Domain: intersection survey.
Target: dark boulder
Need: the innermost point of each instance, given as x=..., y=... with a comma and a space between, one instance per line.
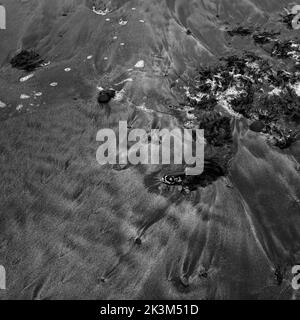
x=27, y=60
x=105, y=96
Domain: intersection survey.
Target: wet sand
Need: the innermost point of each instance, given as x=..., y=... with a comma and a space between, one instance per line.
x=69, y=226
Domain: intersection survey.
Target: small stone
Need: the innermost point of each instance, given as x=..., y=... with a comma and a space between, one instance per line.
x=138, y=241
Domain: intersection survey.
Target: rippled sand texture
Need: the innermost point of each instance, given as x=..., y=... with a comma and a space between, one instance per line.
x=68, y=226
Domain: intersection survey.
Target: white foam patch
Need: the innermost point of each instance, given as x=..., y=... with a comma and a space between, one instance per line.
x=38, y=94
x=296, y=87
x=67, y=69
x=89, y=57
x=198, y=97
x=119, y=95
x=24, y=96
x=2, y=105
x=275, y=92
x=140, y=64
x=23, y=79
x=53, y=84
x=226, y=97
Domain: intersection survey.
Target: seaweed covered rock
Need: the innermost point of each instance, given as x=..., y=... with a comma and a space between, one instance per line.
x=251, y=87
x=240, y=31
x=217, y=128
x=288, y=49
x=27, y=60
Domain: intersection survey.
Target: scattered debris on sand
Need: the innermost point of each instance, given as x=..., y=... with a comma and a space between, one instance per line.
x=27, y=60
x=19, y=107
